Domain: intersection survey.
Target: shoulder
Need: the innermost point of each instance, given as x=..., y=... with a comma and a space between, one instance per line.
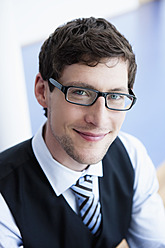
x=135, y=148
x=130, y=141
x=15, y=152
x=14, y=156
x=145, y=171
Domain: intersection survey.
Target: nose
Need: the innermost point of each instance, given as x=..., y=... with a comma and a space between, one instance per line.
x=97, y=114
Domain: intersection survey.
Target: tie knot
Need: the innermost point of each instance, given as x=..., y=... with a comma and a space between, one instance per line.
x=83, y=187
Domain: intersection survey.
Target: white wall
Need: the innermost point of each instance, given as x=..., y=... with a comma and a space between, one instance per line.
x=14, y=114
x=36, y=19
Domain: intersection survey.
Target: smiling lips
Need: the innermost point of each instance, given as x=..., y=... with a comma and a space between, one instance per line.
x=91, y=136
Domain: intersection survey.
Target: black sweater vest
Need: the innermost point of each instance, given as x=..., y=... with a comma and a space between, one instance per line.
x=47, y=221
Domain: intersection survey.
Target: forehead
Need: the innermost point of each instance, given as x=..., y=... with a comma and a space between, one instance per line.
x=106, y=75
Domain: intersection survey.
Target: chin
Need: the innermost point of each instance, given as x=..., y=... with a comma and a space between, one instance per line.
x=89, y=157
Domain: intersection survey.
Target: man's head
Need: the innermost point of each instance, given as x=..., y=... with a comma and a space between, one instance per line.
x=86, y=53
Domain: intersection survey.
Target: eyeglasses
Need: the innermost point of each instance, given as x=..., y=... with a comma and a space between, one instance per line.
x=87, y=97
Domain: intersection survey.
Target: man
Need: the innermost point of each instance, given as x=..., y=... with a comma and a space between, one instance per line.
x=79, y=182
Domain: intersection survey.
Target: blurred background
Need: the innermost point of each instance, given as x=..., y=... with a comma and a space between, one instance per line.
x=25, y=24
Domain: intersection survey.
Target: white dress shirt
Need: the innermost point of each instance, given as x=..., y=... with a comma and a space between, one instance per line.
x=147, y=229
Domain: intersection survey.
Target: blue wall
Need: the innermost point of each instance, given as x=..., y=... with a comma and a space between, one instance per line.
x=145, y=29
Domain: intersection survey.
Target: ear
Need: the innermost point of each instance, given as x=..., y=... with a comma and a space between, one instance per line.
x=41, y=90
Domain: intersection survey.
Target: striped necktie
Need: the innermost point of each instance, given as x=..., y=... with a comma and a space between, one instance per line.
x=89, y=207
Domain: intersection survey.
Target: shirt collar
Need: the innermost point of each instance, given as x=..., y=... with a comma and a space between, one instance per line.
x=60, y=177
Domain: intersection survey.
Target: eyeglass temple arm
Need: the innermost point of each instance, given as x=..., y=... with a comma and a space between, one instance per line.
x=55, y=83
x=131, y=92
x=134, y=97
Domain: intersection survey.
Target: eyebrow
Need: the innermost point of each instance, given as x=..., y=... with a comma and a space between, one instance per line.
x=88, y=86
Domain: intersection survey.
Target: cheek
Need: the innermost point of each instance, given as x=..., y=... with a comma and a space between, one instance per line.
x=118, y=119
x=64, y=114
x=57, y=105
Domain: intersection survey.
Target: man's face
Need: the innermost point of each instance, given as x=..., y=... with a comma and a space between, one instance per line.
x=81, y=135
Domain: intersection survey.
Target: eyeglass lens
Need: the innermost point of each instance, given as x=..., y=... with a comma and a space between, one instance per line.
x=87, y=97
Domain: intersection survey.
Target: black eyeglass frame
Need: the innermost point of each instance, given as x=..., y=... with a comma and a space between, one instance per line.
x=64, y=89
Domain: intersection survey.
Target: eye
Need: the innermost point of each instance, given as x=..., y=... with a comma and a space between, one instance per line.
x=114, y=97
x=81, y=95
x=79, y=92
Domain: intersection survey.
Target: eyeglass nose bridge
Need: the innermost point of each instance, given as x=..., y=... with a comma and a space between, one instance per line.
x=101, y=94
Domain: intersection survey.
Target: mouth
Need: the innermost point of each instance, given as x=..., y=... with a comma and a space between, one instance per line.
x=88, y=136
